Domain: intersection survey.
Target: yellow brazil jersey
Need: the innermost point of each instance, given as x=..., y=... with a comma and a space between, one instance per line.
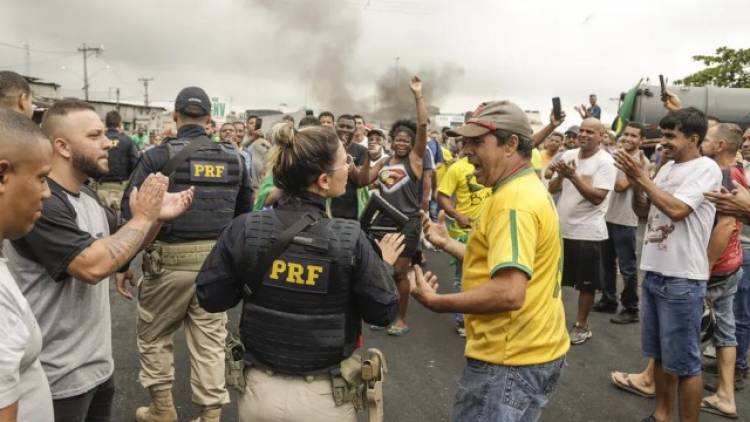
x=460, y=181
x=536, y=159
x=443, y=167
x=518, y=227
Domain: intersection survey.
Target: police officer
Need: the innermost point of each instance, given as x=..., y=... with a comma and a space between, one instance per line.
x=170, y=265
x=306, y=282
x=123, y=158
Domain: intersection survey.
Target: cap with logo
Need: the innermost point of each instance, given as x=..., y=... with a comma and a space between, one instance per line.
x=494, y=115
x=190, y=97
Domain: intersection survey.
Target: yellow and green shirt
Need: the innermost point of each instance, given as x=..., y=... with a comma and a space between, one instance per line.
x=518, y=227
x=460, y=181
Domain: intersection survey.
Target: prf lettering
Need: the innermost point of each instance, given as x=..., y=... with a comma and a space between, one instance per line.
x=209, y=170
x=295, y=273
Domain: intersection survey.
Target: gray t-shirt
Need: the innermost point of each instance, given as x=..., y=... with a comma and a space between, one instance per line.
x=74, y=316
x=620, y=209
x=259, y=152
x=22, y=378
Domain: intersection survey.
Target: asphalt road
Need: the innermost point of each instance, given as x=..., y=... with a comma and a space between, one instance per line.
x=425, y=364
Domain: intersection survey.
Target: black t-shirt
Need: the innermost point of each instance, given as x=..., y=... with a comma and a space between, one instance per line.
x=57, y=237
x=345, y=206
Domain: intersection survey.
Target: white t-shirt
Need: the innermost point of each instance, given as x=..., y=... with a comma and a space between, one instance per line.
x=678, y=248
x=579, y=218
x=621, y=205
x=22, y=378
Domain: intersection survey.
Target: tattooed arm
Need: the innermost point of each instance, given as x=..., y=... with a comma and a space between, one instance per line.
x=105, y=256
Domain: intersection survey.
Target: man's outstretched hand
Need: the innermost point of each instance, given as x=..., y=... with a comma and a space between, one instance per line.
x=175, y=204
x=435, y=232
x=423, y=286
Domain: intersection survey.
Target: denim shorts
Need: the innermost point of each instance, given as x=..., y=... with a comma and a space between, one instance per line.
x=671, y=310
x=497, y=393
x=721, y=297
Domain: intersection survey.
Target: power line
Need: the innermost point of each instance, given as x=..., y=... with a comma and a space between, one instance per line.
x=33, y=50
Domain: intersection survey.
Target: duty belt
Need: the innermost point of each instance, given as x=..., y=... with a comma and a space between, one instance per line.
x=186, y=256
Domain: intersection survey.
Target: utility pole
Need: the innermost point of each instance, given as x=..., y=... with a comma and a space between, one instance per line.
x=85, y=50
x=117, y=102
x=28, y=59
x=145, y=89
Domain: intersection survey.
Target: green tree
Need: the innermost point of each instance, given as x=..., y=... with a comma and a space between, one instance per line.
x=726, y=69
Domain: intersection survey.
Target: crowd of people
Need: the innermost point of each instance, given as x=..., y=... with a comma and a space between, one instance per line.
x=269, y=217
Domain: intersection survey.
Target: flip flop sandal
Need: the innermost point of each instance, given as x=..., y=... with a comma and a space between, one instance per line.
x=708, y=407
x=397, y=331
x=630, y=387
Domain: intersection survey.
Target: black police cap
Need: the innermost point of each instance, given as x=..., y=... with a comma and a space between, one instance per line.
x=193, y=96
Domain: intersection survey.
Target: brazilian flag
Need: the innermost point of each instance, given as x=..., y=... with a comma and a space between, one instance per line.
x=625, y=112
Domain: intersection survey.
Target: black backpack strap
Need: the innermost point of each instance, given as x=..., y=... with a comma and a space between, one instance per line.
x=183, y=154
x=279, y=246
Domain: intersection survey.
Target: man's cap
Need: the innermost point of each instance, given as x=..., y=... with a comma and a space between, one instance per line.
x=493, y=115
x=573, y=129
x=195, y=96
x=376, y=131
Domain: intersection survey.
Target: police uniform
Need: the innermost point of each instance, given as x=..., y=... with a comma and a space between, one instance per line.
x=300, y=318
x=123, y=158
x=166, y=297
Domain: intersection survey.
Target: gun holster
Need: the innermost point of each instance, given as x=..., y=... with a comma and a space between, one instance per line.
x=373, y=375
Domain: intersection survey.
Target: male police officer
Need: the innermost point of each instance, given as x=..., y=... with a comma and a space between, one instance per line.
x=167, y=293
x=122, y=160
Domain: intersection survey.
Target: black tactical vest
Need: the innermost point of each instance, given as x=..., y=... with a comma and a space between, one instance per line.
x=118, y=158
x=216, y=173
x=300, y=317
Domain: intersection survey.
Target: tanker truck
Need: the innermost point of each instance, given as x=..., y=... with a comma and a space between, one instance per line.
x=643, y=104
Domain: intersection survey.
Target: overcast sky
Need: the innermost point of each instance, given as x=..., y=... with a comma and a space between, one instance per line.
x=261, y=53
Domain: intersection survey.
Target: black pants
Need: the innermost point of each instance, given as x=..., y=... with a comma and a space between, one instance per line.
x=92, y=406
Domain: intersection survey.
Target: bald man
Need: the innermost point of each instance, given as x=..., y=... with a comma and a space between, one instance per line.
x=64, y=264
x=585, y=176
x=25, y=157
x=15, y=93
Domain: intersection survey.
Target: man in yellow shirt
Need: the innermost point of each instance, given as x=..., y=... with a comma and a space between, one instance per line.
x=515, y=322
x=459, y=181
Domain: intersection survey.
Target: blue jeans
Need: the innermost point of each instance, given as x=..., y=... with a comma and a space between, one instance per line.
x=721, y=298
x=742, y=312
x=496, y=393
x=458, y=318
x=620, y=249
x=671, y=310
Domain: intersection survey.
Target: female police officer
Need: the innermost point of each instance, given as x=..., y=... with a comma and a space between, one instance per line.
x=306, y=282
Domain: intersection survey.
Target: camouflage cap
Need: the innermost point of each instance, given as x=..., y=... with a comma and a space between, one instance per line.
x=493, y=115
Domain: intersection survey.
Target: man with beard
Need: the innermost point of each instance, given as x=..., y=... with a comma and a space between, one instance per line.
x=64, y=265
x=227, y=133
x=346, y=206
x=585, y=176
x=167, y=296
